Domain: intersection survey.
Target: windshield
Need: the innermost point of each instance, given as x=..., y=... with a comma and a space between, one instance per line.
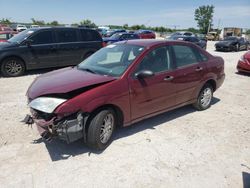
x=21, y=36
x=112, y=60
x=115, y=36
x=230, y=38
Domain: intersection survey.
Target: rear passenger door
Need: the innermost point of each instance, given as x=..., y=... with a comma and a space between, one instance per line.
x=43, y=49
x=68, y=46
x=189, y=72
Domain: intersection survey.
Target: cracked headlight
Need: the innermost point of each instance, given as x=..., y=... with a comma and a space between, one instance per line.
x=46, y=104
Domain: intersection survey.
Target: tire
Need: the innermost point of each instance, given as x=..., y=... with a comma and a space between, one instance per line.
x=96, y=137
x=12, y=67
x=205, y=97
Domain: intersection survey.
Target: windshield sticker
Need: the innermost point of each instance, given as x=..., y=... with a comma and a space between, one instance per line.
x=111, y=46
x=30, y=32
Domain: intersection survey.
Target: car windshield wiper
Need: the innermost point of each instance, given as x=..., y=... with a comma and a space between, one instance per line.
x=88, y=70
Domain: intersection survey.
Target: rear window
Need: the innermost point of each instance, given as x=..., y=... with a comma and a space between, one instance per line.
x=67, y=35
x=90, y=35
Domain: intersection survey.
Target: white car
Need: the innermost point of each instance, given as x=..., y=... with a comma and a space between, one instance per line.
x=20, y=28
x=34, y=26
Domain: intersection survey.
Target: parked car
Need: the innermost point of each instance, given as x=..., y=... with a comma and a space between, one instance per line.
x=5, y=28
x=34, y=26
x=6, y=35
x=120, y=37
x=232, y=44
x=244, y=63
x=119, y=85
x=201, y=37
x=195, y=40
x=20, y=28
x=213, y=36
x=146, y=34
x=181, y=33
x=112, y=32
x=47, y=47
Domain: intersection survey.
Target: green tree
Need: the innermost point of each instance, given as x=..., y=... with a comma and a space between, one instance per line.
x=248, y=32
x=37, y=22
x=125, y=26
x=88, y=23
x=5, y=21
x=204, y=17
x=54, y=23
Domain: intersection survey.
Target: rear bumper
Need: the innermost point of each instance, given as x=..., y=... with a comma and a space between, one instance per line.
x=220, y=80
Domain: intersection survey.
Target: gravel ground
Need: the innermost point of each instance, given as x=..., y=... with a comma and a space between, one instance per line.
x=181, y=148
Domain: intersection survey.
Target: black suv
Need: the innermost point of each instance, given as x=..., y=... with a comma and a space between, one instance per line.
x=47, y=47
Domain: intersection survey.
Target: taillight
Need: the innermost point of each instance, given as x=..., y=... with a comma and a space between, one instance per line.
x=104, y=44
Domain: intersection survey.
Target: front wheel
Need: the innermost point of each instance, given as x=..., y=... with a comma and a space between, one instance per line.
x=101, y=128
x=12, y=67
x=204, y=99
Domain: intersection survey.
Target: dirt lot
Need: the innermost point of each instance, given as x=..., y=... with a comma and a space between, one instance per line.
x=181, y=148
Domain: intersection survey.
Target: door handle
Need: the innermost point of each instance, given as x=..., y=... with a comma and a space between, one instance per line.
x=198, y=69
x=168, y=78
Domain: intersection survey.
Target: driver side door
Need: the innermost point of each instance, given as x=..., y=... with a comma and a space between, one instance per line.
x=157, y=93
x=43, y=49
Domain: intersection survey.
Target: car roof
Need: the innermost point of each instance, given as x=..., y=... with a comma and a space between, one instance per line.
x=150, y=42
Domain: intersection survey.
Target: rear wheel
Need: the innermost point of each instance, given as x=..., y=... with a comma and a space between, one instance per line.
x=101, y=128
x=12, y=67
x=204, y=99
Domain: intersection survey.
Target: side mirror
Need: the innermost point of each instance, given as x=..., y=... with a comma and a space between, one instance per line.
x=144, y=74
x=28, y=42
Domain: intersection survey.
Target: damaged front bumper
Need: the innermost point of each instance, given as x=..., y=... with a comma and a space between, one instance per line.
x=69, y=129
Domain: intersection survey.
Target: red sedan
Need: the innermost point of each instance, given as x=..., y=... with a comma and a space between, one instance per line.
x=244, y=63
x=119, y=85
x=146, y=34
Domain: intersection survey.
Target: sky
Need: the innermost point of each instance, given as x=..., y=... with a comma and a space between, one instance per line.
x=167, y=13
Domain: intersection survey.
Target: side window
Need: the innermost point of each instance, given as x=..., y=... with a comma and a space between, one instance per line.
x=43, y=37
x=88, y=35
x=125, y=37
x=184, y=55
x=157, y=60
x=67, y=35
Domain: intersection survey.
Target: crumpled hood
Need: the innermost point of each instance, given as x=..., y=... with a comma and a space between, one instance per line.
x=63, y=81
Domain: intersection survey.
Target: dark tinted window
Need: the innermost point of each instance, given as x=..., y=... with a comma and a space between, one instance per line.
x=67, y=35
x=157, y=60
x=43, y=37
x=185, y=55
x=90, y=35
x=187, y=34
x=193, y=39
x=133, y=36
